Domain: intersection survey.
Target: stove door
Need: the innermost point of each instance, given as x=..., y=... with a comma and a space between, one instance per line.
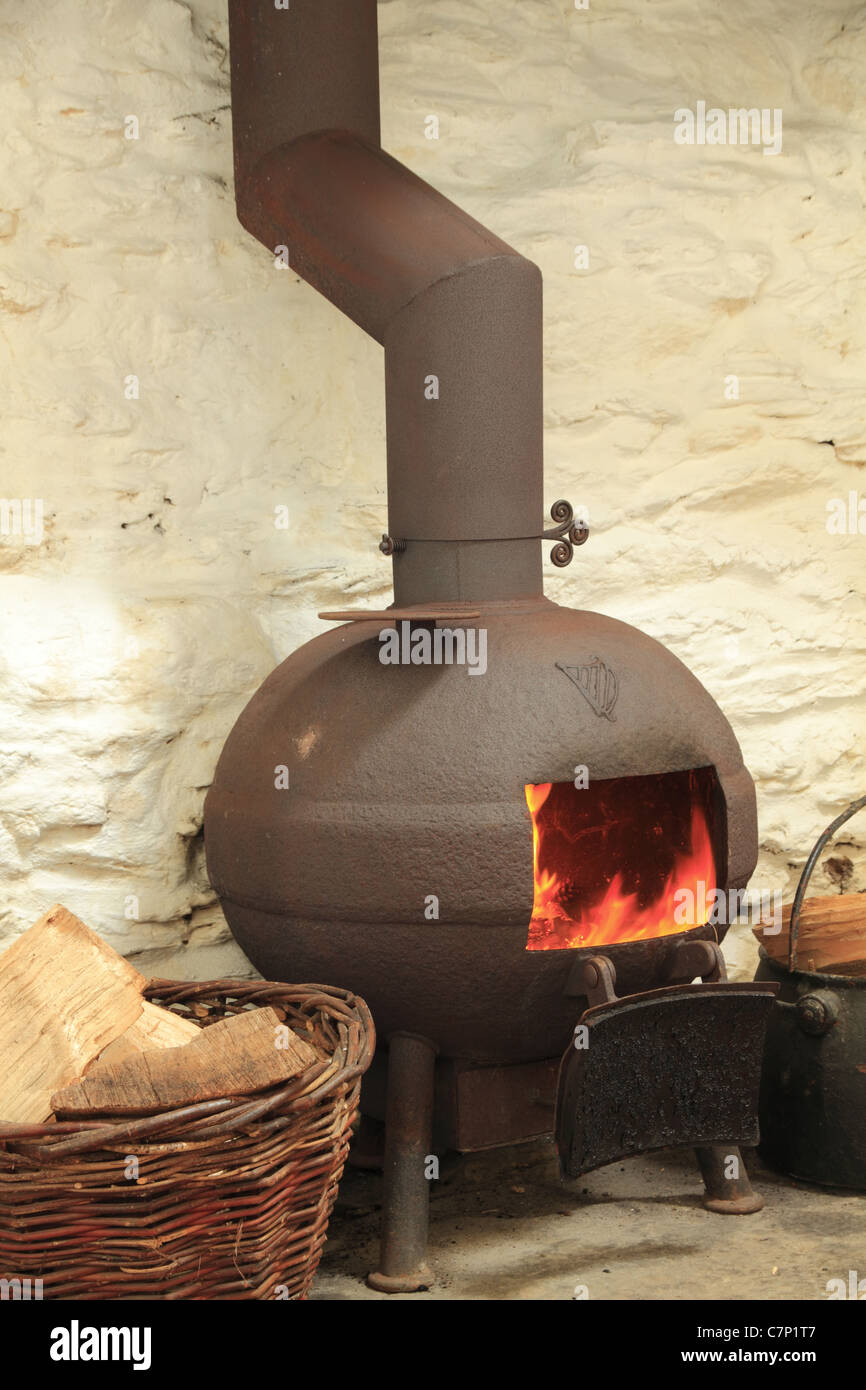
x=679, y=1065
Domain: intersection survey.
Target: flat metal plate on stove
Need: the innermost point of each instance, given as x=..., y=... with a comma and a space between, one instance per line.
x=671, y=1066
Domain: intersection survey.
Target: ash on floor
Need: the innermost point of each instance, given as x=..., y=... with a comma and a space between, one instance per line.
x=503, y=1226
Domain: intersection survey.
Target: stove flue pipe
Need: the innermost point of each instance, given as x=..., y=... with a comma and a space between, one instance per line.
x=457, y=310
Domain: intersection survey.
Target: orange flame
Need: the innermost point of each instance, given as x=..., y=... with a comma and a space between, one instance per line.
x=616, y=915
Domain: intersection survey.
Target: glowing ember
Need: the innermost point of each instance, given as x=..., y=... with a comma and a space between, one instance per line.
x=561, y=915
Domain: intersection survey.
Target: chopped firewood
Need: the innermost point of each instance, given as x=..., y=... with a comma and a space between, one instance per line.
x=154, y=1028
x=64, y=996
x=247, y=1052
x=831, y=935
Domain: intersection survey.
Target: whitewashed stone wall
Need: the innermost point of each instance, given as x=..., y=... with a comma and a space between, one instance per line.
x=162, y=592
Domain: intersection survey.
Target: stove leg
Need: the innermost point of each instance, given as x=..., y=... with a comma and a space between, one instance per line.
x=408, y=1137
x=727, y=1195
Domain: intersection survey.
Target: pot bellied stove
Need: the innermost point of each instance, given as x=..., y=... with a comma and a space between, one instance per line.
x=503, y=818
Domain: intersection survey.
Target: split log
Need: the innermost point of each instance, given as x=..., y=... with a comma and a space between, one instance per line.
x=64, y=996
x=153, y=1029
x=242, y=1054
x=831, y=936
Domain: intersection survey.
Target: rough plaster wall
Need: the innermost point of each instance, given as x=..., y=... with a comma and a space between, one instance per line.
x=162, y=592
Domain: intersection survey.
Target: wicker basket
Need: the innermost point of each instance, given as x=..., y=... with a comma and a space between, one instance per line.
x=226, y=1199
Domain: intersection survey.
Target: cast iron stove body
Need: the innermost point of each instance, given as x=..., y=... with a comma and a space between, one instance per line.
x=488, y=856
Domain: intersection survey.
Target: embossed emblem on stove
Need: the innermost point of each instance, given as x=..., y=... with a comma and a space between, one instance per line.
x=598, y=685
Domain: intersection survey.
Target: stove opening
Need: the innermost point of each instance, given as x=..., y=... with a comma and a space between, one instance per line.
x=623, y=859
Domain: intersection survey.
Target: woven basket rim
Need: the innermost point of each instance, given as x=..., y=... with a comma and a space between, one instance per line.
x=49, y=1142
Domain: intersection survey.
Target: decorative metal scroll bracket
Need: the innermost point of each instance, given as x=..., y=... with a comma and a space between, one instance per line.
x=567, y=533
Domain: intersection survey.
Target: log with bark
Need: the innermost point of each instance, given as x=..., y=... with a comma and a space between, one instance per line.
x=237, y=1056
x=64, y=996
x=77, y=1036
x=831, y=936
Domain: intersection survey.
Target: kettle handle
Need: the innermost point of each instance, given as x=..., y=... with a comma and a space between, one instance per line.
x=807, y=874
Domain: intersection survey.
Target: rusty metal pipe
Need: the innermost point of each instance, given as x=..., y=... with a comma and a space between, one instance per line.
x=408, y=1137
x=457, y=310
x=311, y=66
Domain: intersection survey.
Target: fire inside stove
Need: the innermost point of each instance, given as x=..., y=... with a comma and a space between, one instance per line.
x=622, y=859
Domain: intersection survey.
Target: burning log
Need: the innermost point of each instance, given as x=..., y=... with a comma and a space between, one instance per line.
x=572, y=908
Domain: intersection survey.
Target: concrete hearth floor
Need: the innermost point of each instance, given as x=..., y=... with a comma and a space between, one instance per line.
x=503, y=1226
